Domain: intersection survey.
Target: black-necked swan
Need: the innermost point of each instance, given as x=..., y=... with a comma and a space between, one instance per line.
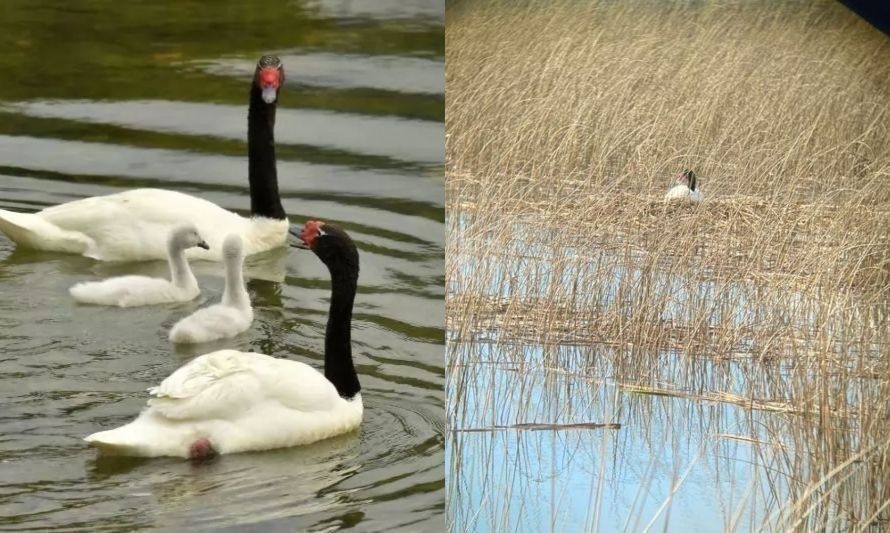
x=132, y=291
x=228, y=318
x=685, y=188
x=133, y=225
x=230, y=401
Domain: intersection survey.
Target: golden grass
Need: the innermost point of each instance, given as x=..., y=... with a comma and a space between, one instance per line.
x=564, y=125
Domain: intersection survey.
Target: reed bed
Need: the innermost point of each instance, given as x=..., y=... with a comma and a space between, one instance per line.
x=565, y=123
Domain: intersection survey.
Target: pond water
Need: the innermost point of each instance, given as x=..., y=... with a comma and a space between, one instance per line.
x=573, y=450
x=560, y=422
x=102, y=97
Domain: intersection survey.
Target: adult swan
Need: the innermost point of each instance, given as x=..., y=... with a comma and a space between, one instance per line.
x=229, y=401
x=134, y=225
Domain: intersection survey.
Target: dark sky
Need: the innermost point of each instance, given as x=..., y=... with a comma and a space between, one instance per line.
x=877, y=12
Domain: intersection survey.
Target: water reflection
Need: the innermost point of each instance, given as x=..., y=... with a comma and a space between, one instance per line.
x=673, y=461
x=398, y=138
x=289, y=483
x=431, y=10
x=385, y=73
x=710, y=408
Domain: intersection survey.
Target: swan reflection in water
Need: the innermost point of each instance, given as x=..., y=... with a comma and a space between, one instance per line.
x=203, y=492
x=267, y=266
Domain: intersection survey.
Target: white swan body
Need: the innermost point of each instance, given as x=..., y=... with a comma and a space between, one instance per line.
x=237, y=401
x=682, y=192
x=229, y=401
x=228, y=318
x=132, y=291
x=210, y=324
x=133, y=226
x=685, y=189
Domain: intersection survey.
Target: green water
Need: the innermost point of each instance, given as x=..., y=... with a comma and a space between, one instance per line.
x=98, y=97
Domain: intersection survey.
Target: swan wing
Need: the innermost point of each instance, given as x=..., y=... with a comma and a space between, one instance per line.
x=682, y=192
x=677, y=192
x=227, y=383
x=32, y=231
x=211, y=323
x=154, y=206
x=126, y=291
x=135, y=224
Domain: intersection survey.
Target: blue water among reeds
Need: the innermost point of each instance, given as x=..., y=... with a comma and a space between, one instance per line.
x=691, y=453
x=675, y=461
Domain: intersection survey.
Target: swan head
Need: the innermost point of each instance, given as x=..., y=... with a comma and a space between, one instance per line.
x=687, y=178
x=232, y=247
x=269, y=77
x=332, y=245
x=187, y=236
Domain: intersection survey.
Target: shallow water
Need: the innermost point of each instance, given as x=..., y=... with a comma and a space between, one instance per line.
x=655, y=462
x=555, y=426
x=155, y=94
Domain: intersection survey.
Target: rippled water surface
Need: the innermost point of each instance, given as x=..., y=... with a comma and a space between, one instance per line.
x=102, y=97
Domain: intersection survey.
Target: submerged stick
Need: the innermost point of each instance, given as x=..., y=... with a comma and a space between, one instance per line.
x=537, y=426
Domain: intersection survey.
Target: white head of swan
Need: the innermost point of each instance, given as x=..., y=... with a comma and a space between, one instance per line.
x=228, y=318
x=685, y=188
x=131, y=291
x=229, y=401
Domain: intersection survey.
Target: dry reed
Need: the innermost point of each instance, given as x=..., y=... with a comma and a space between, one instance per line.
x=564, y=124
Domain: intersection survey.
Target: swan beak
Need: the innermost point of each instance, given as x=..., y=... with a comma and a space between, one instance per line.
x=203, y=244
x=270, y=94
x=300, y=244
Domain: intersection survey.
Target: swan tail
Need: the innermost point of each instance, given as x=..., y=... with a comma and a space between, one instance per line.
x=109, y=446
x=119, y=441
x=32, y=231
x=181, y=335
x=81, y=293
x=188, y=331
x=90, y=292
x=139, y=438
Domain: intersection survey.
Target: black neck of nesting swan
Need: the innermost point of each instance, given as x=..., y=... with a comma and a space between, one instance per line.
x=264, y=198
x=338, y=366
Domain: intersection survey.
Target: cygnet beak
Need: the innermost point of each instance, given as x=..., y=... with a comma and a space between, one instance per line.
x=203, y=244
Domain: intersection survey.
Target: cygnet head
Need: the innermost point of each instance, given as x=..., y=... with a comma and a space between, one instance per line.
x=232, y=249
x=186, y=236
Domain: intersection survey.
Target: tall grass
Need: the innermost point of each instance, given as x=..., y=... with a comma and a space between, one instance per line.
x=564, y=125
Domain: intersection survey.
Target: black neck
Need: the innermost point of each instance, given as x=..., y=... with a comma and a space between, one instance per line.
x=264, y=198
x=338, y=366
